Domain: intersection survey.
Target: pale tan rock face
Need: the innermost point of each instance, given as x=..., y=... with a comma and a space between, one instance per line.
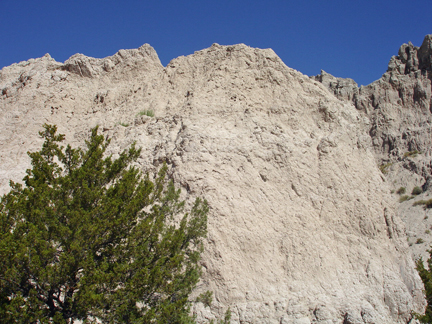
x=399, y=107
x=302, y=227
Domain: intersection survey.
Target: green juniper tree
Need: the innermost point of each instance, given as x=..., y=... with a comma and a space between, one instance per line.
x=88, y=237
x=426, y=276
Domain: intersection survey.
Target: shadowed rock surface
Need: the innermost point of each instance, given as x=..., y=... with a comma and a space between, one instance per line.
x=303, y=227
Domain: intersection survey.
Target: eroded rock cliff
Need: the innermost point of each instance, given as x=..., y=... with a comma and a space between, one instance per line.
x=302, y=229
x=399, y=107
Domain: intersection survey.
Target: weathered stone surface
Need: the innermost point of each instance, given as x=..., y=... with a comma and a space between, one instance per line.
x=302, y=228
x=142, y=59
x=399, y=107
x=346, y=89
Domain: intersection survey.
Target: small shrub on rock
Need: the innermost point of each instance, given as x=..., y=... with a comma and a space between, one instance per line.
x=426, y=203
x=416, y=191
x=383, y=167
x=411, y=154
x=401, y=191
x=404, y=198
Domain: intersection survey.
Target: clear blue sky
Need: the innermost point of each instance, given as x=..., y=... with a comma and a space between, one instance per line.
x=346, y=38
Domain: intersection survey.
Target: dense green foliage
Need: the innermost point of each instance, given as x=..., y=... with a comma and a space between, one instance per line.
x=89, y=237
x=426, y=276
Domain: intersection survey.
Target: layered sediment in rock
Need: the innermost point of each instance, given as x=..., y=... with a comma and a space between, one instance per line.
x=302, y=227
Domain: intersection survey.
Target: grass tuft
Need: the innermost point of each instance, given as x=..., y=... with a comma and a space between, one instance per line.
x=425, y=203
x=411, y=154
x=146, y=112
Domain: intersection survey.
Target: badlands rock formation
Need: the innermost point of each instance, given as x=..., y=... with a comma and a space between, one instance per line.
x=303, y=227
x=399, y=107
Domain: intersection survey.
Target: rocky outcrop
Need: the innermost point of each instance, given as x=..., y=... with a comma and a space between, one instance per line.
x=399, y=104
x=399, y=107
x=302, y=229
x=346, y=89
x=141, y=59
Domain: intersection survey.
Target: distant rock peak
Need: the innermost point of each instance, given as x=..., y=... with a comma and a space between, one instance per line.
x=411, y=58
x=86, y=66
